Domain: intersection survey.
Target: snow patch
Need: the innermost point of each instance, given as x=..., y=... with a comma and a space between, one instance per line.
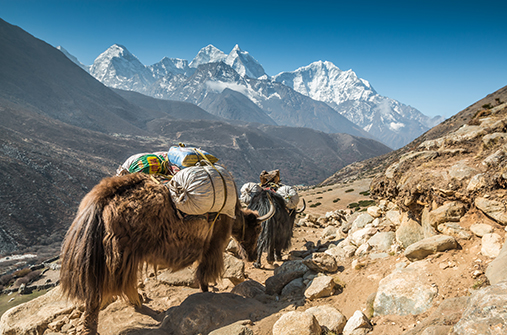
x=218, y=87
x=396, y=126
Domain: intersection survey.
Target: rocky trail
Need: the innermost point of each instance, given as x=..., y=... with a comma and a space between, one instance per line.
x=419, y=249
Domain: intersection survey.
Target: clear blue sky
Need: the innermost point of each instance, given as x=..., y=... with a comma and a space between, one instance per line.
x=437, y=56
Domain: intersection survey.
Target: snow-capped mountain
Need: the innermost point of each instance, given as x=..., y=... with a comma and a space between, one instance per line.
x=74, y=59
x=314, y=96
x=387, y=119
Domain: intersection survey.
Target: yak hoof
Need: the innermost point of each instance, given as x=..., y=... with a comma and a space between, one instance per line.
x=257, y=265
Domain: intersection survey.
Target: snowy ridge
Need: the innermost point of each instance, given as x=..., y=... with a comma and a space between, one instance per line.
x=212, y=72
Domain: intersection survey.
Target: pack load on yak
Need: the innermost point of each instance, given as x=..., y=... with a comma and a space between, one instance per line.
x=197, y=186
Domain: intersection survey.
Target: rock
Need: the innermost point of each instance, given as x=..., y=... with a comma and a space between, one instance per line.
x=341, y=253
x=205, y=312
x=477, y=182
x=357, y=324
x=33, y=317
x=233, y=248
x=454, y=229
x=295, y=287
x=234, y=269
x=409, y=231
x=497, y=269
x=491, y=140
x=185, y=277
x=481, y=229
x=362, y=250
x=493, y=209
x=426, y=224
x=249, y=289
x=495, y=158
x=486, y=312
x=297, y=323
x=405, y=291
x=321, y=286
x=292, y=266
x=379, y=255
x=237, y=328
x=328, y=317
x=321, y=262
x=276, y=283
x=461, y=171
x=491, y=245
x=394, y=217
x=432, y=144
x=430, y=245
x=374, y=211
x=362, y=235
x=447, y=314
x=329, y=233
x=449, y=212
x=382, y=241
x=361, y=221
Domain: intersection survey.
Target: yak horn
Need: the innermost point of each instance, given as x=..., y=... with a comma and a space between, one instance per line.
x=302, y=209
x=269, y=214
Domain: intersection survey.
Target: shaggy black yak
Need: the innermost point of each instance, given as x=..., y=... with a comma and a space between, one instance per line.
x=127, y=221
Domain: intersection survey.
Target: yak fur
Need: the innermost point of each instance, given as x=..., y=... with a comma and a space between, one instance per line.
x=127, y=221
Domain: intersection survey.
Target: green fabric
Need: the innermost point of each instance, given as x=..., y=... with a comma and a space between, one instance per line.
x=149, y=164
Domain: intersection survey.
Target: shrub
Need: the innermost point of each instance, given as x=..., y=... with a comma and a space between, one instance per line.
x=336, y=200
x=366, y=203
x=319, y=197
x=22, y=273
x=365, y=193
x=315, y=204
x=353, y=205
x=349, y=190
x=6, y=279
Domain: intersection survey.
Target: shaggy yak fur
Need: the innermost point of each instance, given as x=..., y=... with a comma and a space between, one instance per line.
x=127, y=221
x=276, y=232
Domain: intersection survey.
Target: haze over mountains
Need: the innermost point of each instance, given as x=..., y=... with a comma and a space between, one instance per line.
x=340, y=93
x=62, y=131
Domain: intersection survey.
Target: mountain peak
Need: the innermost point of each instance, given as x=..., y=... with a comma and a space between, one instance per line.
x=208, y=54
x=244, y=63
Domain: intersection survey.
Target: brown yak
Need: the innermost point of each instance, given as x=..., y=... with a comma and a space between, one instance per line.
x=127, y=221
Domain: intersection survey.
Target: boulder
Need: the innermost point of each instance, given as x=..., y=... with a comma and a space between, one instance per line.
x=297, y=323
x=454, y=229
x=237, y=328
x=362, y=250
x=362, y=235
x=357, y=324
x=321, y=262
x=329, y=317
x=329, y=233
x=430, y=245
x=409, y=231
x=493, y=209
x=295, y=287
x=461, y=171
x=449, y=212
x=477, y=182
x=321, y=286
x=382, y=241
x=185, y=277
x=497, y=269
x=276, y=283
x=486, y=312
x=481, y=229
x=491, y=245
x=249, y=289
x=292, y=266
x=234, y=269
x=405, y=291
x=394, y=216
x=374, y=211
x=361, y=221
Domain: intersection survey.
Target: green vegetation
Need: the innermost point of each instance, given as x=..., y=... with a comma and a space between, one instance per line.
x=319, y=197
x=365, y=193
x=18, y=299
x=349, y=190
x=487, y=106
x=336, y=200
x=366, y=203
x=315, y=204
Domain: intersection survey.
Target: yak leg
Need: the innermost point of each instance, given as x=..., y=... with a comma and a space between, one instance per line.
x=211, y=266
x=91, y=318
x=278, y=255
x=257, y=263
x=271, y=254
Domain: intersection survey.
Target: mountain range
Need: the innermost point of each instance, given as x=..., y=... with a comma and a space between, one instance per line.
x=313, y=96
x=62, y=130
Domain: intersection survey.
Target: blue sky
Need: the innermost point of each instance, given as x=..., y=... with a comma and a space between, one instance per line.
x=437, y=56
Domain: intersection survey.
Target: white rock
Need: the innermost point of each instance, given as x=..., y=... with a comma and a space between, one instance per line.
x=297, y=323
x=481, y=229
x=491, y=245
x=356, y=322
x=374, y=211
x=321, y=286
x=329, y=317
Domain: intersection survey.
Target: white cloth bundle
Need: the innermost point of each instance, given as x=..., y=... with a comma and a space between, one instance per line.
x=197, y=190
x=247, y=190
x=290, y=195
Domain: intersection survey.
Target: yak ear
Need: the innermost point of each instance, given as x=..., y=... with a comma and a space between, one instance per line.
x=302, y=209
x=269, y=214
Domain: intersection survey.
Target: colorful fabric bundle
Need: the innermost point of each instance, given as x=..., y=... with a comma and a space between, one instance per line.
x=183, y=156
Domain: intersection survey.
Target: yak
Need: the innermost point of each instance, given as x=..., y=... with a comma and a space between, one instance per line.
x=127, y=221
x=276, y=232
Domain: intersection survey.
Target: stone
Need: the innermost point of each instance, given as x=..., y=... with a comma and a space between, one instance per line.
x=329, y=317
x=237, y=328
x=297, y=323
x=497, y=269
x=374, y=211
x=394, y=216
x=382, y=241
x=321, y=286
x=428, y=229
x=405, y=291
x=249, y=289
x=481, y=229
x=321, y=262
x=362, y=250
x=493, y=209
x=454, y=229
x=449, y=212
x=486, y=312
x=329, y=233
x=362, y=235
x=276, y=283
x=477, y=182
x=361, y=221
x=430, y=245
x=491, y=245
x=295, y=287
x=292, y=266
x=358, y=321
x=184, y=277
x=495, y=158
x=234, y=269
x=461, y=171
x=491, y=140
x=409, y=231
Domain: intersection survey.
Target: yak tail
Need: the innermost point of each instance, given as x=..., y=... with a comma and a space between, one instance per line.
x=83, y=267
